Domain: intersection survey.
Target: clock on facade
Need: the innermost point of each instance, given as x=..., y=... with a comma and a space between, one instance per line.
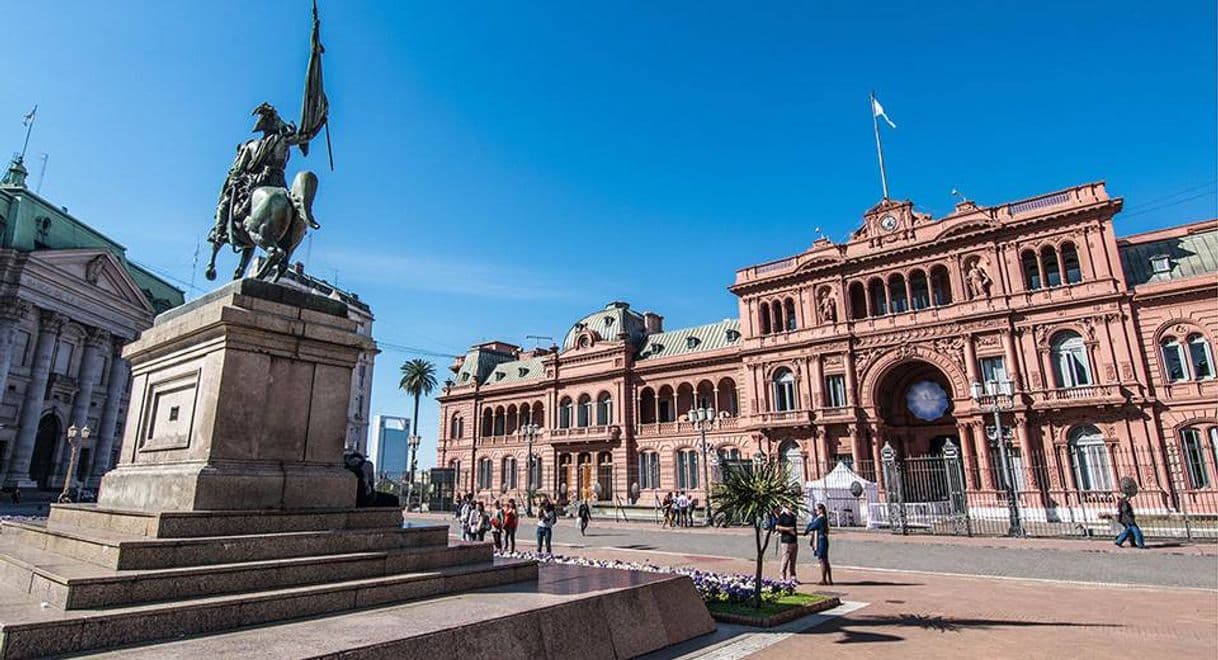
x=926, y=400
x=888, y=222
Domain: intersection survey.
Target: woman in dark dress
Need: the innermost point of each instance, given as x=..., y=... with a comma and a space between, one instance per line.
x=820, y=545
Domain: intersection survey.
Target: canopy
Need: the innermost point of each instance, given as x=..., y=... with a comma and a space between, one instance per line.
x=834, y=491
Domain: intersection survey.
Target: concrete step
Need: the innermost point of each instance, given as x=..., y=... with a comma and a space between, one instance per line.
x=28, y=630
x=125, y=552
x=71, y=584
x=185, y=524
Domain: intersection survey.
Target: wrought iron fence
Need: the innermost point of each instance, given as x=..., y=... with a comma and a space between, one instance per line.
x=1070, y=491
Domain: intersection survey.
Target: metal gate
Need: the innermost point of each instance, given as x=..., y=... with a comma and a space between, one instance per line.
x=926, y=493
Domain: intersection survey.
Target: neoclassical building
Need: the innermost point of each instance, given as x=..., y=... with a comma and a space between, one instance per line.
x=69, y=300
x=848, y=347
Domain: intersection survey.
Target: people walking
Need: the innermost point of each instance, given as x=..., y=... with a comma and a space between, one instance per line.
x=789, y=538
x=511, y=519
x=463, y=517
x=584, y=514
x=820, y=546
x=497, y=526
x=1130, y=530
x=479, y=523
x=682, y=507
x=546, y=518
x=668, y=504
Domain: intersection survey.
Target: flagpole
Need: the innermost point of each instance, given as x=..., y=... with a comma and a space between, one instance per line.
x=29, y=127
x=879, y=149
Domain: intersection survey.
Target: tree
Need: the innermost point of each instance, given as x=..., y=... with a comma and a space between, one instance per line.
x=750, y=493
x=418, y=380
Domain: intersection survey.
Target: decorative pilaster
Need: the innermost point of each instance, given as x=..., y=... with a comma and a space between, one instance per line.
x=86, y=380
x=50, y=324
x=13, y=311
x=120, y=375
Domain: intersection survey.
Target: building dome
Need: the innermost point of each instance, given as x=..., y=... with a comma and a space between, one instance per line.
x=605, y=325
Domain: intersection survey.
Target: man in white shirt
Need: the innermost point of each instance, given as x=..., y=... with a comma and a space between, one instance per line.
x=682, y=509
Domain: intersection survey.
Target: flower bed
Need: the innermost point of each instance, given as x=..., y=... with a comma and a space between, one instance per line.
x=713, y=587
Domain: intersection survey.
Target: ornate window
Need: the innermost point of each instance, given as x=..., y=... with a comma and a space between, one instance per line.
x=1074, y=271
x=835, y=390
x=1201, y=357
x=488, y=422
x=879, y=297
x=507, y=474
x=1070, y=363
x=649, y=470
x=793, y=461
x=484, y=473
x=583, y=414
x=604, y=409
x=897, y=294
x=500, y=420
x=1089, y=456
x=604, y=475
x=789, y=306
x=784, y=390
x=565, y=411
x=456, y=428
x=919, y=290
x=940, y=286
x=1193, y=453
x=858, y=301
x=764, y=317
x=687, y=469
x=1048, y=265
x=1031, y=270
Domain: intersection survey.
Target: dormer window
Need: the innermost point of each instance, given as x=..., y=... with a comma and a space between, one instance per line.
x=499, y=375
x=733, y=335
x=656, y=347
x=1160, y=263
x=522, y=371
x=464, y=377
x=692, y=342
x=608, y=321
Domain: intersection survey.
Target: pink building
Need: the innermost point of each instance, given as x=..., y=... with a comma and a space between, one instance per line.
x=847, y=347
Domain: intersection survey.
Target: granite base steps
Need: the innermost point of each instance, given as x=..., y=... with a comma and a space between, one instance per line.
x=568, y=612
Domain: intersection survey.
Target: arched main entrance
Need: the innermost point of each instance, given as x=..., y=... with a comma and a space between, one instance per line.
x=915, y=402
x=42, y=463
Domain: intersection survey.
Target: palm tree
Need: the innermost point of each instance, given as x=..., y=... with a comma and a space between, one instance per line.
x=418, y=379
x=750, y=493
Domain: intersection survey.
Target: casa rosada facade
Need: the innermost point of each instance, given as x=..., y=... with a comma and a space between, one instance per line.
x=848, y=347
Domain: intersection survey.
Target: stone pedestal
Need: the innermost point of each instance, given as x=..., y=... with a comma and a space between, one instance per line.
x=239, y=402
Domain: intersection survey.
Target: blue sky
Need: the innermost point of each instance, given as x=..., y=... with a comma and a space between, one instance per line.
x=505, y=168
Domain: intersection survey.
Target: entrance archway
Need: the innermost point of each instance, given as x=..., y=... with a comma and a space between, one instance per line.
x=916, y=404
x=42, y=462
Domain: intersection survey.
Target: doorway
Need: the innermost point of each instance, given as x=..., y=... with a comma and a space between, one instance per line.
x=42, y=462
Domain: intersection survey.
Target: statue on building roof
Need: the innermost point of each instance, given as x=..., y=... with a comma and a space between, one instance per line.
x=256, y=208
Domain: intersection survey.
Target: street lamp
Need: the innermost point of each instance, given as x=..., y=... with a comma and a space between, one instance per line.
x=413, y=442
x=74, y=442
x=996, y=396
x=530, y=433
x=702, y=419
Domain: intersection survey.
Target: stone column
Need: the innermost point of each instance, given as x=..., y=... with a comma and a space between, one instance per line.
x=1025, y=449
x=120, y=373
x=970, y=360
x=13, y=310
x=852, y=393
x=985, y=464
x=49, y=325
x=966, y=454
x=1012, y=361
x=86, y=380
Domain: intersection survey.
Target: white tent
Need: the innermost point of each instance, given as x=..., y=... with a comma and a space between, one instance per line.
x=834, y=491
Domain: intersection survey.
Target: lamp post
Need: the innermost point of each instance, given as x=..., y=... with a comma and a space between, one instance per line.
x=530, y=433
x=996, y=396
x=702, y=419
x=413, y=443
x=75, y=440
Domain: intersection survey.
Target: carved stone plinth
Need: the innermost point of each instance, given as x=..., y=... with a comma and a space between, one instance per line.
x=239, y=401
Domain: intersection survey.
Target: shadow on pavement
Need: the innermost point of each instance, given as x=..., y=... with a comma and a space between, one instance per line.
x=859, y=630
x=876, y=583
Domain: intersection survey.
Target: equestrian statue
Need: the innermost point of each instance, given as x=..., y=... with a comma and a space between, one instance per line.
x=257, y=209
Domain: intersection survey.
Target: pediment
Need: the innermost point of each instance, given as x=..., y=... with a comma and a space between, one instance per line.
x=966, y=226
x=97, y=269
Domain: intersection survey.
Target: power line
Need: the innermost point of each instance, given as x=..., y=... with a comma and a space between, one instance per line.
x=1144, y=210
x=1164, y=198
x=412, y=350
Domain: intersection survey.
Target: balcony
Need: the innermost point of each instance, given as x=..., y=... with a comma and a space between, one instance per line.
x=599, y=433
x=652, y=429
x=842, y=412
x=1089, y=395
x=783, y=418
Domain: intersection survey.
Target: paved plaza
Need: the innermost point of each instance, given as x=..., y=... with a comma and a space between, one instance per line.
x=924, y=596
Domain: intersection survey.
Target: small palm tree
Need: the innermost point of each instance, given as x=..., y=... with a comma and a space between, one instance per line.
x=418, y=380
x=751, y=494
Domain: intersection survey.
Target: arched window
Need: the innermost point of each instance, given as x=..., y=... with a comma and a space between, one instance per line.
x=1031, y=270
x=565, y=412
x=728, y=399
x=604, y=409
x=687, y=469
x=526, y=414
x=792, y=460
x=940, y=286
x=1173, y=359
x=879, y=301
x=507, y=474
x=1070, y=363
x=919, y=290
x=667, y=404
x=784, y=390
x=858, y=301
x=500, y=420
x=649, y=470
x=1089, y=456
x=764, y=317
x=1048, y=263
x=604, y=475
x=513, y=420
x=535, y=474
x=485, y=470
x=539, y=414
x=1193, y=453
x=583, y=414
x=647, y=406
x=1074, y=271
x=788, y=306
x=1201, y=357
x=729, y=453
x=897, y=294
x=776, y=321
x=488, y=422
x=454, y=428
